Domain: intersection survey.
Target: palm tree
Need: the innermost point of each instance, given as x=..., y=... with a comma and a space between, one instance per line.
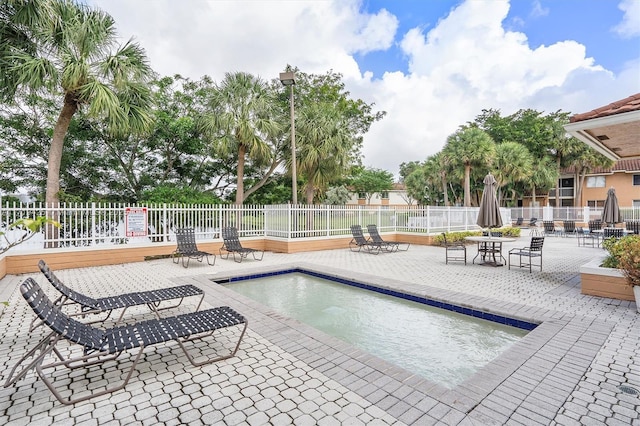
x=242, y=120
x=544, y=176
x=469, y=147
x=70, y=49
x=513, y=163
x=324, y=149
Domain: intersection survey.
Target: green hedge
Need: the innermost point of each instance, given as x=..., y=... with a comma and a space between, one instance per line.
x=507, y=231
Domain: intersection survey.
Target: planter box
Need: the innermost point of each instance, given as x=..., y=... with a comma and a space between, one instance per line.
x=604, y=282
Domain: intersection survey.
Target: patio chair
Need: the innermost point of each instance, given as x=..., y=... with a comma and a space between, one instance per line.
x=549, y=227
x=99, y=346
x=231, y=245
x=359, y=242
x=595, y=225
x=89, y=305
x=518, y=222
x=633, y=227
x=387, y=245
x=532, y=222
x=616, y=233
x=455, y=250
x=529, y=253
x=586, y=238
x=188, y=249
x=569, y=227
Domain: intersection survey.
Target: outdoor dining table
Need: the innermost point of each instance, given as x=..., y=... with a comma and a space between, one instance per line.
x=496, y=248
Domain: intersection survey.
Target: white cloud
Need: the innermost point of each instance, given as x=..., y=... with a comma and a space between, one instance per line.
x=538, y=10
x=466, y=62
x=630, y=25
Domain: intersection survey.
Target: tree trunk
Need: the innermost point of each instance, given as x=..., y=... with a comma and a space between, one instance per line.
x=533, y=193
x=309, y=193
x=52, y=196
x=467, y=185
x=240, y=175
x=55, y=151
x=445, y=193
x=558, y=159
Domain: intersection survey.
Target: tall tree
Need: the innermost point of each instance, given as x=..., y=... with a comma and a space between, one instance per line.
x=242, y=120
x=324, y=149
x=70, y=49
x=327, y=114
x=513, y=163
x=371, y=181
x=469, y=147
x=544, y=176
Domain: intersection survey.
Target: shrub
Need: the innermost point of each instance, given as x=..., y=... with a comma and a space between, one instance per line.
x=624, y=254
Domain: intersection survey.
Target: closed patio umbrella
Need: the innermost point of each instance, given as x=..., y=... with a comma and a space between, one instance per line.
x=611, y=212
x=489, y=214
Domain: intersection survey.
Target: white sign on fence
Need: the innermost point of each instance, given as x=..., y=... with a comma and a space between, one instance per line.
x=135, y=221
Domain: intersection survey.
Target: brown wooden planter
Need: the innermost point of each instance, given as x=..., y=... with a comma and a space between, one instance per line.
x=604, y=282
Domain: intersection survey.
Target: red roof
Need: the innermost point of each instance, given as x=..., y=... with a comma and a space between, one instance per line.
x=632, y=103
x=619, y=166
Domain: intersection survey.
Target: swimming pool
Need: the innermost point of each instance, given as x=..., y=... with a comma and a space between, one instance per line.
x=441, y=343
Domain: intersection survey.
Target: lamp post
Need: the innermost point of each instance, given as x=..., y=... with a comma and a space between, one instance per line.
x=289, y=79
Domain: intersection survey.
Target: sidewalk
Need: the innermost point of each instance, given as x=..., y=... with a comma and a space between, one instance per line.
x=567, y=371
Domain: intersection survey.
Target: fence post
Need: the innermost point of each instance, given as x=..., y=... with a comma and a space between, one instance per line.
x=328, y=218
x=93, y=224
x=165, y=224
x=289, y=220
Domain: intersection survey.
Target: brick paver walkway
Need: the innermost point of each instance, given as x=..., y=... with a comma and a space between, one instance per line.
x=568, y=371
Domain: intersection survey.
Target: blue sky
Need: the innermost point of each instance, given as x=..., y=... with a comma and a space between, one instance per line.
x=589, y=22
x=432, y=65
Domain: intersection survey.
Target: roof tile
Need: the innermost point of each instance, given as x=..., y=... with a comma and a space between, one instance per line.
x=620, y=166
x=632, y=103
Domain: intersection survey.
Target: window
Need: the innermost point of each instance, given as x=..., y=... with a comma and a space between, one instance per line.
x=595, y=182
x=566, y=183
x=636, y=180
x=595, y=203
x=385, y=195
x=636, y=204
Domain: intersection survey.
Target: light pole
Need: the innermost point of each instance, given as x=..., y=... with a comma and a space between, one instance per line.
x=289, y=79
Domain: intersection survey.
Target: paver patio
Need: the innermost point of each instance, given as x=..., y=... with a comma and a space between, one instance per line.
x=567, y=371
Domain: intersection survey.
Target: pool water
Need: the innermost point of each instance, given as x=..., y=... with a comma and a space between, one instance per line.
x=443, y=346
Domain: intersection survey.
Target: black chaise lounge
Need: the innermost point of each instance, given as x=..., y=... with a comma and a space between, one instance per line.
x=188, y=249
x=360, y=242
x=231, y=245
x=99, y=346
x=89, y=305
x=386, y=245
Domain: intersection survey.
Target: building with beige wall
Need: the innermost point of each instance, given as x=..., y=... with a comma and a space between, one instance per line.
x=624, y=176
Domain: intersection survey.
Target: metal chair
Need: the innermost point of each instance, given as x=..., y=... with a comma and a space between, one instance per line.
x=529, y=253
x=387, y=245
x=188, y=249
x=455, y=250
x=569, y=227
x=633, y=227
x=231, y=245
x=549, y=227
x=616, y=233
x=89, y=305
x=359, y=242
x=99, y=346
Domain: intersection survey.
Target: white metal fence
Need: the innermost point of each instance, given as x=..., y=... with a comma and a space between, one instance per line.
x=95, y=224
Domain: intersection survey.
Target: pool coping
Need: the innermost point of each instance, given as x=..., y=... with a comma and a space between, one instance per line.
x=535, y=376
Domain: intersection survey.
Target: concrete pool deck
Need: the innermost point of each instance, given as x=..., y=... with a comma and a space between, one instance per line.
x=567, y=371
